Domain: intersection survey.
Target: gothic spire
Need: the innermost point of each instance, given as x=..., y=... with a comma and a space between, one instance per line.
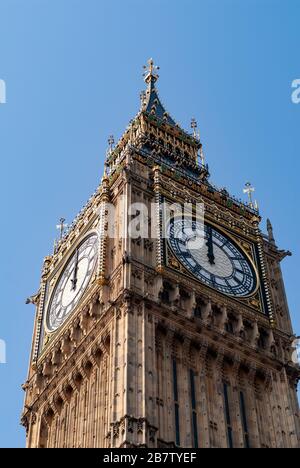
x=152, y=104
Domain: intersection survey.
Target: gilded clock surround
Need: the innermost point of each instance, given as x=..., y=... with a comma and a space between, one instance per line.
x=55, y=282
x=106, y=377
x=173, y=261
x=85, y=230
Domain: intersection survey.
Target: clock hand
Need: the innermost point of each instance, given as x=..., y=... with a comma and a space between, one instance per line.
x=74, y=280
x=210, y=246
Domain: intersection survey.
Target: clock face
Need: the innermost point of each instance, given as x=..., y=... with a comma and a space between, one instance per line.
x=212, y=257
x=73, y=282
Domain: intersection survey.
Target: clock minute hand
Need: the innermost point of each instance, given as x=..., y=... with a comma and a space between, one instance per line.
x=74, y=280
x=210, y=246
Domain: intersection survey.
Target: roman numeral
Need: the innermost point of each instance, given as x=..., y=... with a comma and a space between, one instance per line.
x=185, y=254
x=180, y=241
x=229, y=286
x=243, y=273
x=226, y=242
x=197, y=269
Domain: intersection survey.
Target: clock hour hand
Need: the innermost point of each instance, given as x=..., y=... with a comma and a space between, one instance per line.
x=210, y=246
x=74, y=279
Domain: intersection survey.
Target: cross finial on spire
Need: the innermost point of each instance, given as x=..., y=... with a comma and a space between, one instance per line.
x=150, y=73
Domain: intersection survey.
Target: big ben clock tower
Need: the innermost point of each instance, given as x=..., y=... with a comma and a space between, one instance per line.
x=178, y=335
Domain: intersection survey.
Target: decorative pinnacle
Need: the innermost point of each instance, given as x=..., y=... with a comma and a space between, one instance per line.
x=111, y=142
x=270, y=232
x=61, y=226
x=106, y=170
x=150, y=73
x=143, y=98
x=249, y=190
x=202, y=157
x=194, y=126
x=54, y=246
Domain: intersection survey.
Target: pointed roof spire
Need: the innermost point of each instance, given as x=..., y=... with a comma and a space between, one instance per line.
x=152, y=103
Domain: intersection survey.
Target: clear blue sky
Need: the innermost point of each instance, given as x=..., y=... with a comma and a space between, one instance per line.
x=73, y=74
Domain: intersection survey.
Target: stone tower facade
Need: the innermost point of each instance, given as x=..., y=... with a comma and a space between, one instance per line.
x=144, y=341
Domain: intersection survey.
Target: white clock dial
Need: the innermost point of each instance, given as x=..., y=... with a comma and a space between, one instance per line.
x=212, y=257
x=73, y=282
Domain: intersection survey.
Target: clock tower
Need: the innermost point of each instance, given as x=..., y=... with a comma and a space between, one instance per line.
x=161, y=317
